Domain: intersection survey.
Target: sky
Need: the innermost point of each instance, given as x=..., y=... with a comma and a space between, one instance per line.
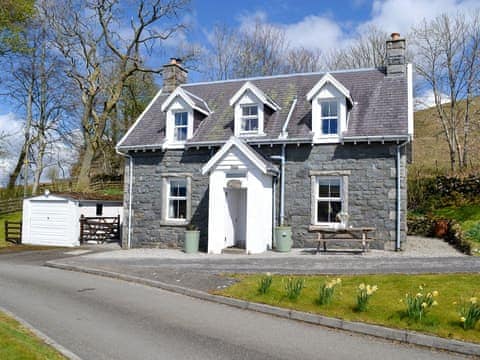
x=321, y=24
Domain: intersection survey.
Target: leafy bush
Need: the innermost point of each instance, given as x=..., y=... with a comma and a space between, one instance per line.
x=363, y=295
x=265, y=283
x=419, y=304
x=327, y=290
x=474, y=232
x=469, y=313
x=294, y=287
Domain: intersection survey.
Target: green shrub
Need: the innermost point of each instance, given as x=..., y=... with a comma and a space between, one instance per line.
x=294, y=287
x=265, y=283
x=418, y=304
x=327, y=290
x=364, y=293
x=469, y=313
x=474, y=232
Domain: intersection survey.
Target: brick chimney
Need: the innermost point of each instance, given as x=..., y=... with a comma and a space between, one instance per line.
x=395, y=61
x=173, y=75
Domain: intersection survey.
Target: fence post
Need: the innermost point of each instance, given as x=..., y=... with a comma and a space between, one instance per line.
x=81, y=228
x=6, y=230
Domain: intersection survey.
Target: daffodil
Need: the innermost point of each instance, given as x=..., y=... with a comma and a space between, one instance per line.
x=435, y=293
x=434, y=303
x=424, y=305
x=361, y=286
x=473, y=300
x=462, y=319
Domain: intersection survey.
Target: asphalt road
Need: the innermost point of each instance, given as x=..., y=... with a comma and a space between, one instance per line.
x=100, y=318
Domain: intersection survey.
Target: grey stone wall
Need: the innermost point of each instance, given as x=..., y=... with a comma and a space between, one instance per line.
x=148, y=197
x=371, y=190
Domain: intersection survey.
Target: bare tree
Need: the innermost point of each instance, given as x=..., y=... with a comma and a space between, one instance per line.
x=299, y=60
x=36, y=85
x=448, y=61
x=365, y=51
x=88, y=36
x=224, y=50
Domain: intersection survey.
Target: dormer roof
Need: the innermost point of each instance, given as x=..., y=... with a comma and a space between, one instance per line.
x=194, y=101
x=329, y=79
x=248, y=86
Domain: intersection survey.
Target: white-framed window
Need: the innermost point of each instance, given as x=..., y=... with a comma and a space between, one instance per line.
x=329, y=117
x=180, y=129
x=328, y=198
x=177, y=199
x=249, y=119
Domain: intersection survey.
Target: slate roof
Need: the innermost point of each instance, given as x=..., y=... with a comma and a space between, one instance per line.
x=379, y=108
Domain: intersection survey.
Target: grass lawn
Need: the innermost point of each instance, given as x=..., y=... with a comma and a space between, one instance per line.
x=468, y=216
x=16, y=342
x=17, y=216
x=385, y=307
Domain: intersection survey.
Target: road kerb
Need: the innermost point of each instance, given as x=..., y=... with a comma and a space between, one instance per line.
x=42, y=336
x=405, y=336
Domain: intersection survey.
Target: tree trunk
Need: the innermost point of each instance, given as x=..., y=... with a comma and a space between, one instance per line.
x=83, y=181
x=12, y=179
x=38, y=168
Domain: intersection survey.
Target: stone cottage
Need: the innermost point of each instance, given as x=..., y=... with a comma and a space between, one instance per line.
x=237, y=157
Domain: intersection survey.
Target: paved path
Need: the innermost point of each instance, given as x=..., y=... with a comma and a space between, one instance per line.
x=100, y=318
x=204, y=272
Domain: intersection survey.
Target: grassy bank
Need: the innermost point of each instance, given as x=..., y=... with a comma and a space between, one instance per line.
x=16, y=342
x=467, y=216
x=17, y=216
x=385, y=306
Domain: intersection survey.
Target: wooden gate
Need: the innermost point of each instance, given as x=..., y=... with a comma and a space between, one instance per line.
x=13, y=231
x=99, y=229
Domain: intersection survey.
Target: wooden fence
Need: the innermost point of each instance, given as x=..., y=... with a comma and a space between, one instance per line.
x=99, y=229
x=13, y=231
x=11, y=205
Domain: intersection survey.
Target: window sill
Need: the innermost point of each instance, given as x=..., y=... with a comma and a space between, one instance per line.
x=172, y=222
x=326, y=139
x=251, y=134
x=174, y=145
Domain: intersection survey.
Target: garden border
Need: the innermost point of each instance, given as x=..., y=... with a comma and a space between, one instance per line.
x=404, y=336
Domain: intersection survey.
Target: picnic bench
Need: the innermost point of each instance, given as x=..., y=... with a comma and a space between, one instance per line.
x=351, y=234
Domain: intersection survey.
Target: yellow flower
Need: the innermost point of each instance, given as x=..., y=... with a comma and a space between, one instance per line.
x=462, y=319
x=361, y=286
x=435, y=293
x=434, y=303
x=473, y=300
x=375, y=288
x=424, y=305
x=339, y=281
x=401, y=300
x=268, y=274
x=454, y=303
x=419, y=295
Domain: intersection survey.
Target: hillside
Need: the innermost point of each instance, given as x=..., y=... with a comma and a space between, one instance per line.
x=430, y=149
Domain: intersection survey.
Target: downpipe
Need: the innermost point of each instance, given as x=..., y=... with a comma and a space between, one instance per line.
x=398, y=242
x=282, y=183
x=130, y=196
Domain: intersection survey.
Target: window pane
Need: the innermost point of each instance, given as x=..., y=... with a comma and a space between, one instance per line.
x=177, y=209
x=329, y=126
x=178, y=187
x=329, y=188
x=325, y=126
x=333, y=126
x=322, y=211
x=181, y=133
x=181, y=118
x=250, y=110
x=327, y=211
x=329, y=108
x=250, y=124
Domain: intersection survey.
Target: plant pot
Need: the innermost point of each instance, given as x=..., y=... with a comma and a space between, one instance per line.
x=192, y=239
x=283, y=238
x=441, y=228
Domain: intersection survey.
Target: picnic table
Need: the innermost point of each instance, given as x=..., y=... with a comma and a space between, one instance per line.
x=352, y=234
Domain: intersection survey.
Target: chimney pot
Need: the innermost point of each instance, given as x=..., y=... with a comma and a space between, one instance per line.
x=395, y=36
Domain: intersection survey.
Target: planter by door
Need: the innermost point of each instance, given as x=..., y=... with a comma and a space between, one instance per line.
x=283, y=238
x=192, y=238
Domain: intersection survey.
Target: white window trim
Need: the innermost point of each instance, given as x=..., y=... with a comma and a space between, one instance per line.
x=314, y=177
x=175, y=126
x=322, y=100
x=247, y=117
x=238, y=115
x=170, y=142
x=166, y=178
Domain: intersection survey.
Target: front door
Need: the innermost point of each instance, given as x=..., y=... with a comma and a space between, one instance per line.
x=235, y=217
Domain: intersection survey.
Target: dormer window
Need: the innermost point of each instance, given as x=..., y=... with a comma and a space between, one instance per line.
x=250, y=106
x=181, y=126
x=180, y=107
x=330, y=103
x=329, y=117
x=249, y=119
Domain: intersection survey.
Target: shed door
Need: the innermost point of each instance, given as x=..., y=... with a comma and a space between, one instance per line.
x=50, y=223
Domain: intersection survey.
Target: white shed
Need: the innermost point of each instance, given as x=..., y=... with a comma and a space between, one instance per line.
x=54, y=219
